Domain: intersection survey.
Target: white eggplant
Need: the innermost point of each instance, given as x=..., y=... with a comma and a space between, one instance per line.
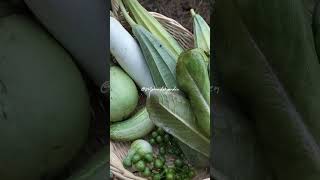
x=128, y=54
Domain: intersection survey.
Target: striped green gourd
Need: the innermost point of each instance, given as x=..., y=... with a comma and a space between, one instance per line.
x=160, y=60
x=144, y=18
x=137, y=126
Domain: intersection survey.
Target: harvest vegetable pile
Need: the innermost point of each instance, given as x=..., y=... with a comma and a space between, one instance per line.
x=159, y=97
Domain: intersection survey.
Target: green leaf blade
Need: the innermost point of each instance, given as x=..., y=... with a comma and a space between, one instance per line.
x=235, y=142
x=266, y=56
x=172, y=112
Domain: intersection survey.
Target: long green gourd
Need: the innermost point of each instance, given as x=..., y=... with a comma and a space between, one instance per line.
x=138, y=126
x=144, y=18
x=160, y=60
x=193, y=79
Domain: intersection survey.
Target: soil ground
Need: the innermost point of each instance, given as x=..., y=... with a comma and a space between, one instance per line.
x=179, y=9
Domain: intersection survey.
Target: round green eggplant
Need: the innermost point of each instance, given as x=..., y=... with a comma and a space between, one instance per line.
x=123, y=94
x=44, y=103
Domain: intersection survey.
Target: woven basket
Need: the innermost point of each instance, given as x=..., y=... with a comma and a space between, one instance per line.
x=118, y=150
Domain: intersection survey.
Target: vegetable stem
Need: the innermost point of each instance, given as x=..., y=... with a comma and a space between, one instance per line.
x=126, y=14
x=193, y=13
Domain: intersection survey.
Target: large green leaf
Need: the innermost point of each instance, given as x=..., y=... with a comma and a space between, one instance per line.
x=234, y=138
x=172, y=112
x=235, y=142
x=265, y=52
x=197, y=160
x=309, y=8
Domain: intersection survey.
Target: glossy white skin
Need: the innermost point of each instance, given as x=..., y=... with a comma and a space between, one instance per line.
x=128, y=54
x=81, y=27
